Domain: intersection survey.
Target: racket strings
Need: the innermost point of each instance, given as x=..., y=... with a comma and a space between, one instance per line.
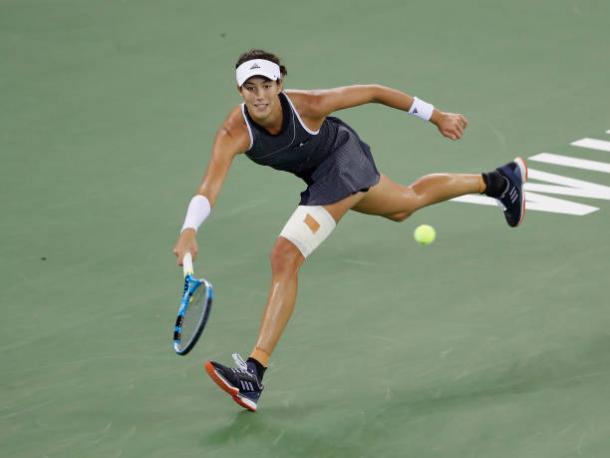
x=194, y=312
x=195, y=306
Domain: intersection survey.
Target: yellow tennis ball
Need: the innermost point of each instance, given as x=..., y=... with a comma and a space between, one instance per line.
x=424, y=234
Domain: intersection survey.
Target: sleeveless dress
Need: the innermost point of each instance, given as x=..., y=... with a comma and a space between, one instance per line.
x=334, y=161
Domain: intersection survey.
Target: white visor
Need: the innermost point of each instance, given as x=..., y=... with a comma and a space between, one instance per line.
x=257, y=67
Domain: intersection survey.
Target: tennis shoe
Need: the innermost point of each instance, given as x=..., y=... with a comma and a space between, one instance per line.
x=512, y=200
x=240, y=382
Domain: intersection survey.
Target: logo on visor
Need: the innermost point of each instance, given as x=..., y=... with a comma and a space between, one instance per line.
x=254, y=66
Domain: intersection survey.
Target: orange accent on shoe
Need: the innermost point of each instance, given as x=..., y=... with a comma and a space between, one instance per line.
x=233, y=392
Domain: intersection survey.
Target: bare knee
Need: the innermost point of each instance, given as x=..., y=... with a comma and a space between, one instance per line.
x=416, y=200
x=285, y=258
x=411, y=202
x=399, y=217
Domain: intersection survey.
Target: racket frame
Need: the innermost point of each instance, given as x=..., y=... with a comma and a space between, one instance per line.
x=191, y=285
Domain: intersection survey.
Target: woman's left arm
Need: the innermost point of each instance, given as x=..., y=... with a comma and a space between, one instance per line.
x=325, y=102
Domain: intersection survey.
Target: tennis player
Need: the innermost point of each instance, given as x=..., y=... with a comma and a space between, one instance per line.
x=293, y=131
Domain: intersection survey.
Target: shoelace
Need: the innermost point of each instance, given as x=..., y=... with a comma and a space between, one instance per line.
x=240, y=362
x=243, y=367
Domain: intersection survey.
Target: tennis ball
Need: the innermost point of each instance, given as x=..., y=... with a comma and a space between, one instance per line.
x=424, y=234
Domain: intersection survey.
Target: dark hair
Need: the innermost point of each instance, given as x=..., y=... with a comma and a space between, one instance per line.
x=260, y=54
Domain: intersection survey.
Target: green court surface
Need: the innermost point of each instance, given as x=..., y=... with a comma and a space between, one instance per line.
x=492, y=342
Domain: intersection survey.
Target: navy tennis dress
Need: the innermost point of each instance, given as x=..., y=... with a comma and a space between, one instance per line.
x=334, y=161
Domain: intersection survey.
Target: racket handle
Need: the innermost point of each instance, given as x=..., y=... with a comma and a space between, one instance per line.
x=187, y=263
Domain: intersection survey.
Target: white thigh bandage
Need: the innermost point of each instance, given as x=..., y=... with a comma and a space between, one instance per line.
x=308, y=227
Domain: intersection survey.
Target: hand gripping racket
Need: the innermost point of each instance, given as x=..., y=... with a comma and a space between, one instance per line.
x=194, y=309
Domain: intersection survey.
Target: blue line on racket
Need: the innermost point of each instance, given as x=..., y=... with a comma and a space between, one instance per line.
x=194, y=311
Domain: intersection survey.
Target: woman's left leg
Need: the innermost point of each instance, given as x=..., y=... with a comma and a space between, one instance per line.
x=397, y=202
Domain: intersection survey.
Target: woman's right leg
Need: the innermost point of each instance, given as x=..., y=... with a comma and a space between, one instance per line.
x=286, y=260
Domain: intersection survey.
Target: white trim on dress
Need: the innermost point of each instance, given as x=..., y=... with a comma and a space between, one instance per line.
x=243, y=113
x=312, y=132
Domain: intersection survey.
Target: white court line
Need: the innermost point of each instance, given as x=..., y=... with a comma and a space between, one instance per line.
x=569, y=161
x=537, y=202
x=592, y=143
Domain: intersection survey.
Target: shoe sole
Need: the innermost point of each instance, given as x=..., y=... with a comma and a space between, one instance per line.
x=228, y=388
x=524, y=173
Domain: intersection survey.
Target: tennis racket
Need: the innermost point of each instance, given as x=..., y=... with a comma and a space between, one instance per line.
x=194, y=309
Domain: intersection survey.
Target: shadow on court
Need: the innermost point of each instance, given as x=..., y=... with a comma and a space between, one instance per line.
x=272, y=428
x=518, y=387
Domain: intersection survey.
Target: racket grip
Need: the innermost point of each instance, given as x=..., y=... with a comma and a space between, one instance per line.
x=187, y=263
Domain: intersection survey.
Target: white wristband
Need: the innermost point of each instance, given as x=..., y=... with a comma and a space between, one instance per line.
x=198, y=210
x=421, y=109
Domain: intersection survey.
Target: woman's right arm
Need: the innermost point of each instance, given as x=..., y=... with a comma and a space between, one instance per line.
x=231, y=139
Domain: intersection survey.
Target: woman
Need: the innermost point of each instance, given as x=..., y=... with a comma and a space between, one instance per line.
x=292, y=131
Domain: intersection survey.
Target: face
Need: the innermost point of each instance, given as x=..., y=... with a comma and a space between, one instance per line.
x=260, y=96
